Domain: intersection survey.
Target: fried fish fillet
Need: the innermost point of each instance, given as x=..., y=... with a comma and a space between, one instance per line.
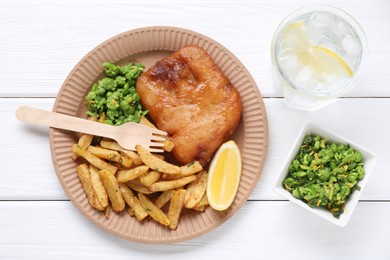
x=189, y=97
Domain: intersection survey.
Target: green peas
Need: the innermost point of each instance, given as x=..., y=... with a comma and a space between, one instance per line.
x=324, y=174
x=340, y=170
x=125, y=90
x=136, y=97
x=108, y=84
x=296, y=194
x=295, y=165
x=308, y=140
x=360, y=170
x=358, y=157
x=333, y=147
x=100, y=90
x=299, y=174
x=116, y=95
x=344, y=191
x=306, y=159
x=317, y=145
x=310, y=175
x=332, y=179
x=111, y=70
x=352, y=176
x=112, y=104
x=124, y=105
x=121, y=81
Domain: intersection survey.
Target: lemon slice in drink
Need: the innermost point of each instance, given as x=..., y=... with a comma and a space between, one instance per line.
x=322, y=60
x=224, y=176
x=295, y=37
x=326, y=61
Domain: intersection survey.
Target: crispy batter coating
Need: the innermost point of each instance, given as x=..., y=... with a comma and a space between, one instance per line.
x=189, y=97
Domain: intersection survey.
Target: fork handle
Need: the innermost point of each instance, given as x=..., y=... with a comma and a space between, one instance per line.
x=42, y=117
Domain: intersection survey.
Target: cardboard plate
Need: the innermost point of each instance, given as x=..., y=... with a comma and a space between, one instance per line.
x=148, y=45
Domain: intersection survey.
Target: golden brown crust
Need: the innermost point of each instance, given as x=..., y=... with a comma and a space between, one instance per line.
x=189, y=97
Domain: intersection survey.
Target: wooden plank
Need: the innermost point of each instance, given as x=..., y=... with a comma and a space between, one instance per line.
x=42, y=41
x=25, y=153
x=267, y=230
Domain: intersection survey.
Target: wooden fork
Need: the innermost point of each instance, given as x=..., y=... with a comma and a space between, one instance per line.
x=127, y=135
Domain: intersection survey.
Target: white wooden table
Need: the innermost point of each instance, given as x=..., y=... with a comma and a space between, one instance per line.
x=40, y=42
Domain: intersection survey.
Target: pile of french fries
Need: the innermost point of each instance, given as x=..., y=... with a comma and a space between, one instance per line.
x=113, y=177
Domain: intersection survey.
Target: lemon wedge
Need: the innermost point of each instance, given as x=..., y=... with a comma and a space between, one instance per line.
x=224, y=176
x=322, y=60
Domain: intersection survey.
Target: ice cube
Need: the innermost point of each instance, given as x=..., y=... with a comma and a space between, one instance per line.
x=321, y=19
x=340, y=28
x=331, y=78
x=294, y=41
x=307, y=79
x=338, y=84
x=351, y=45
x=312, y=84
x=285, y=54
x=287, y=59
x=314, y=34
x=305, y=74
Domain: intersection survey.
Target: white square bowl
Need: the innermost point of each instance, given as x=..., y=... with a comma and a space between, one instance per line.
x=369, y=162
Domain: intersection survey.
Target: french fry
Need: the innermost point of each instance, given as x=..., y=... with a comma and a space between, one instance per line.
x=134, y=204
x=163, y=198
x=170, y=185
x=111, y=185
x=133, y=156
x=190, y=188
x=110, y=155
x=94, y=160
x=112, y=145
x=138, y=186
x=199, y=190
x=155, y=163
x=175, y=207
x=104, y=153
x=199, y=208
x=85, y=180
x=97, y=186
x=85, y=140
x=150, y=178
x=168, y=145
x=144, y=121
x=190, y=168
x=153, y=211
x=107, y=211
x=186, y=170
x=125, y=161
x=74, y=156
x=204, y=201
x=128, y=175
x=160, y=156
